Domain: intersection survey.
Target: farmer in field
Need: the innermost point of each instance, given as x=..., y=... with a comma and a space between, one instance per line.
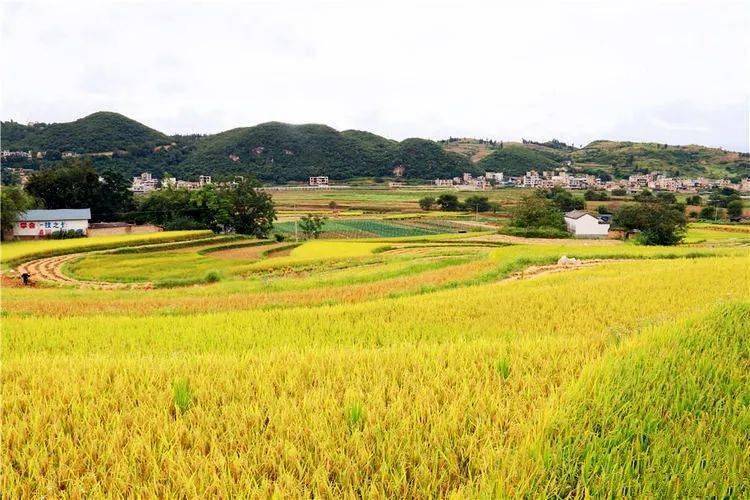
x=25, y=277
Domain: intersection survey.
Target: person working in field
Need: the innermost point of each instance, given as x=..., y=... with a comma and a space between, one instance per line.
x=26, y=278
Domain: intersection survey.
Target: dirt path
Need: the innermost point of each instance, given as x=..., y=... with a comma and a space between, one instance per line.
x=536, y=271
x=49, y=269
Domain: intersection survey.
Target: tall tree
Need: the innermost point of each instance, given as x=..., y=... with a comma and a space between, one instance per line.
x=76, y=184
x=13, y=202
x=537, y=211
x=250, y=211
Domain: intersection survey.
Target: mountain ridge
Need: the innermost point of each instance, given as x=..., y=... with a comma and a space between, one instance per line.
x=281, y=152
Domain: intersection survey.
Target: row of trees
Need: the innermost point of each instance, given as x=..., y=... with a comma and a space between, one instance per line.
x=451, y=203
x=239, y=207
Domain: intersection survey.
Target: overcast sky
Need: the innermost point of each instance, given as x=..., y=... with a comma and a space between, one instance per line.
x=664, y=71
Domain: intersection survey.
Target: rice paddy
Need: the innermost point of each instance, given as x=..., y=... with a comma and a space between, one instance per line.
x=424, y=366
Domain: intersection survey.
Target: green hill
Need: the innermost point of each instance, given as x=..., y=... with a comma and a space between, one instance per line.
x=280, y=152
x=685, y=161
x=517, y=159
x=98, y=132
x=616, y=158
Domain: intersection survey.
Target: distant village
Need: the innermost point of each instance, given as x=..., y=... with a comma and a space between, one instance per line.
x=561, y=177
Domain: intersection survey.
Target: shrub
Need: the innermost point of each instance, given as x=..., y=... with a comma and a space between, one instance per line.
x=595, y=195
x=212, y=277
x=734, y=209
x=427, y=202
x=448, y=202
x=478, y=203
x=66, y=235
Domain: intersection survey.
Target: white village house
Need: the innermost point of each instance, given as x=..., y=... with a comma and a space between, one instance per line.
x=42, y=223
x=584, y=225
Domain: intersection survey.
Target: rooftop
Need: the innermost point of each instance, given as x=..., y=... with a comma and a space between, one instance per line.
x=59, y=214
x=577, y=214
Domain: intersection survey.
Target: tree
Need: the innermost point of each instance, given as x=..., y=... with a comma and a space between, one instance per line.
x=564, y=200
x=169, y=208
x=75, y=184
x=734, y=209
x=426, y=203
x=659, y=223
x=644, y=196
x=250, y=211
x=694, y=200
x=666, y=197
x=115, y=197
x=534, y=211
x=312, y=225
x=630, y=217
x=13, y=202
x=477, y=203
x=9, y=177
x=619, y=192
x=238, y=207
x=448, y=202
x=595, y=195
x=211, y=208
x=709, y=212
x=52, y=155
x=722, y=197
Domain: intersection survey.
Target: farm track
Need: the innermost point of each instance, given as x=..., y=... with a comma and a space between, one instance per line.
x=49, y=270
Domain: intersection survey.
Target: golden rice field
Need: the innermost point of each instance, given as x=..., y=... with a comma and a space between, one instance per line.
x=415, y=367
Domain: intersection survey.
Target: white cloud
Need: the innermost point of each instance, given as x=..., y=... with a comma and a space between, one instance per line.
x=577, y=71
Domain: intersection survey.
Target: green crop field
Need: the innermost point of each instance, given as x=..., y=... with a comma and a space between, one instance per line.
x=419, y=363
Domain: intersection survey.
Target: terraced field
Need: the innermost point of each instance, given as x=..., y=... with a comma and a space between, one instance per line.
x=432, y=365
x=384, y=228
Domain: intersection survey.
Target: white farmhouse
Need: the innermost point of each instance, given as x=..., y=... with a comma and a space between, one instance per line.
x=584, y=225
x=42, y=223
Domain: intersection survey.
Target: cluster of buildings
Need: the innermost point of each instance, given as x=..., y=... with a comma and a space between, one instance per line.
x=532, y=179
x=145, y=183
x=468, y=182
x=19, y=155
x=320, y=181
x=557, y=178
x=661, y=182
x=563, y=178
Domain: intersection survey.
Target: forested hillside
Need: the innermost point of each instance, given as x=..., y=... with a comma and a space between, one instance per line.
x=98, y=132
x=279, y=152
x=615, y=158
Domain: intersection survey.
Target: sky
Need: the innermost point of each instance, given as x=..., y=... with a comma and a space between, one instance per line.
x=661, y=71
